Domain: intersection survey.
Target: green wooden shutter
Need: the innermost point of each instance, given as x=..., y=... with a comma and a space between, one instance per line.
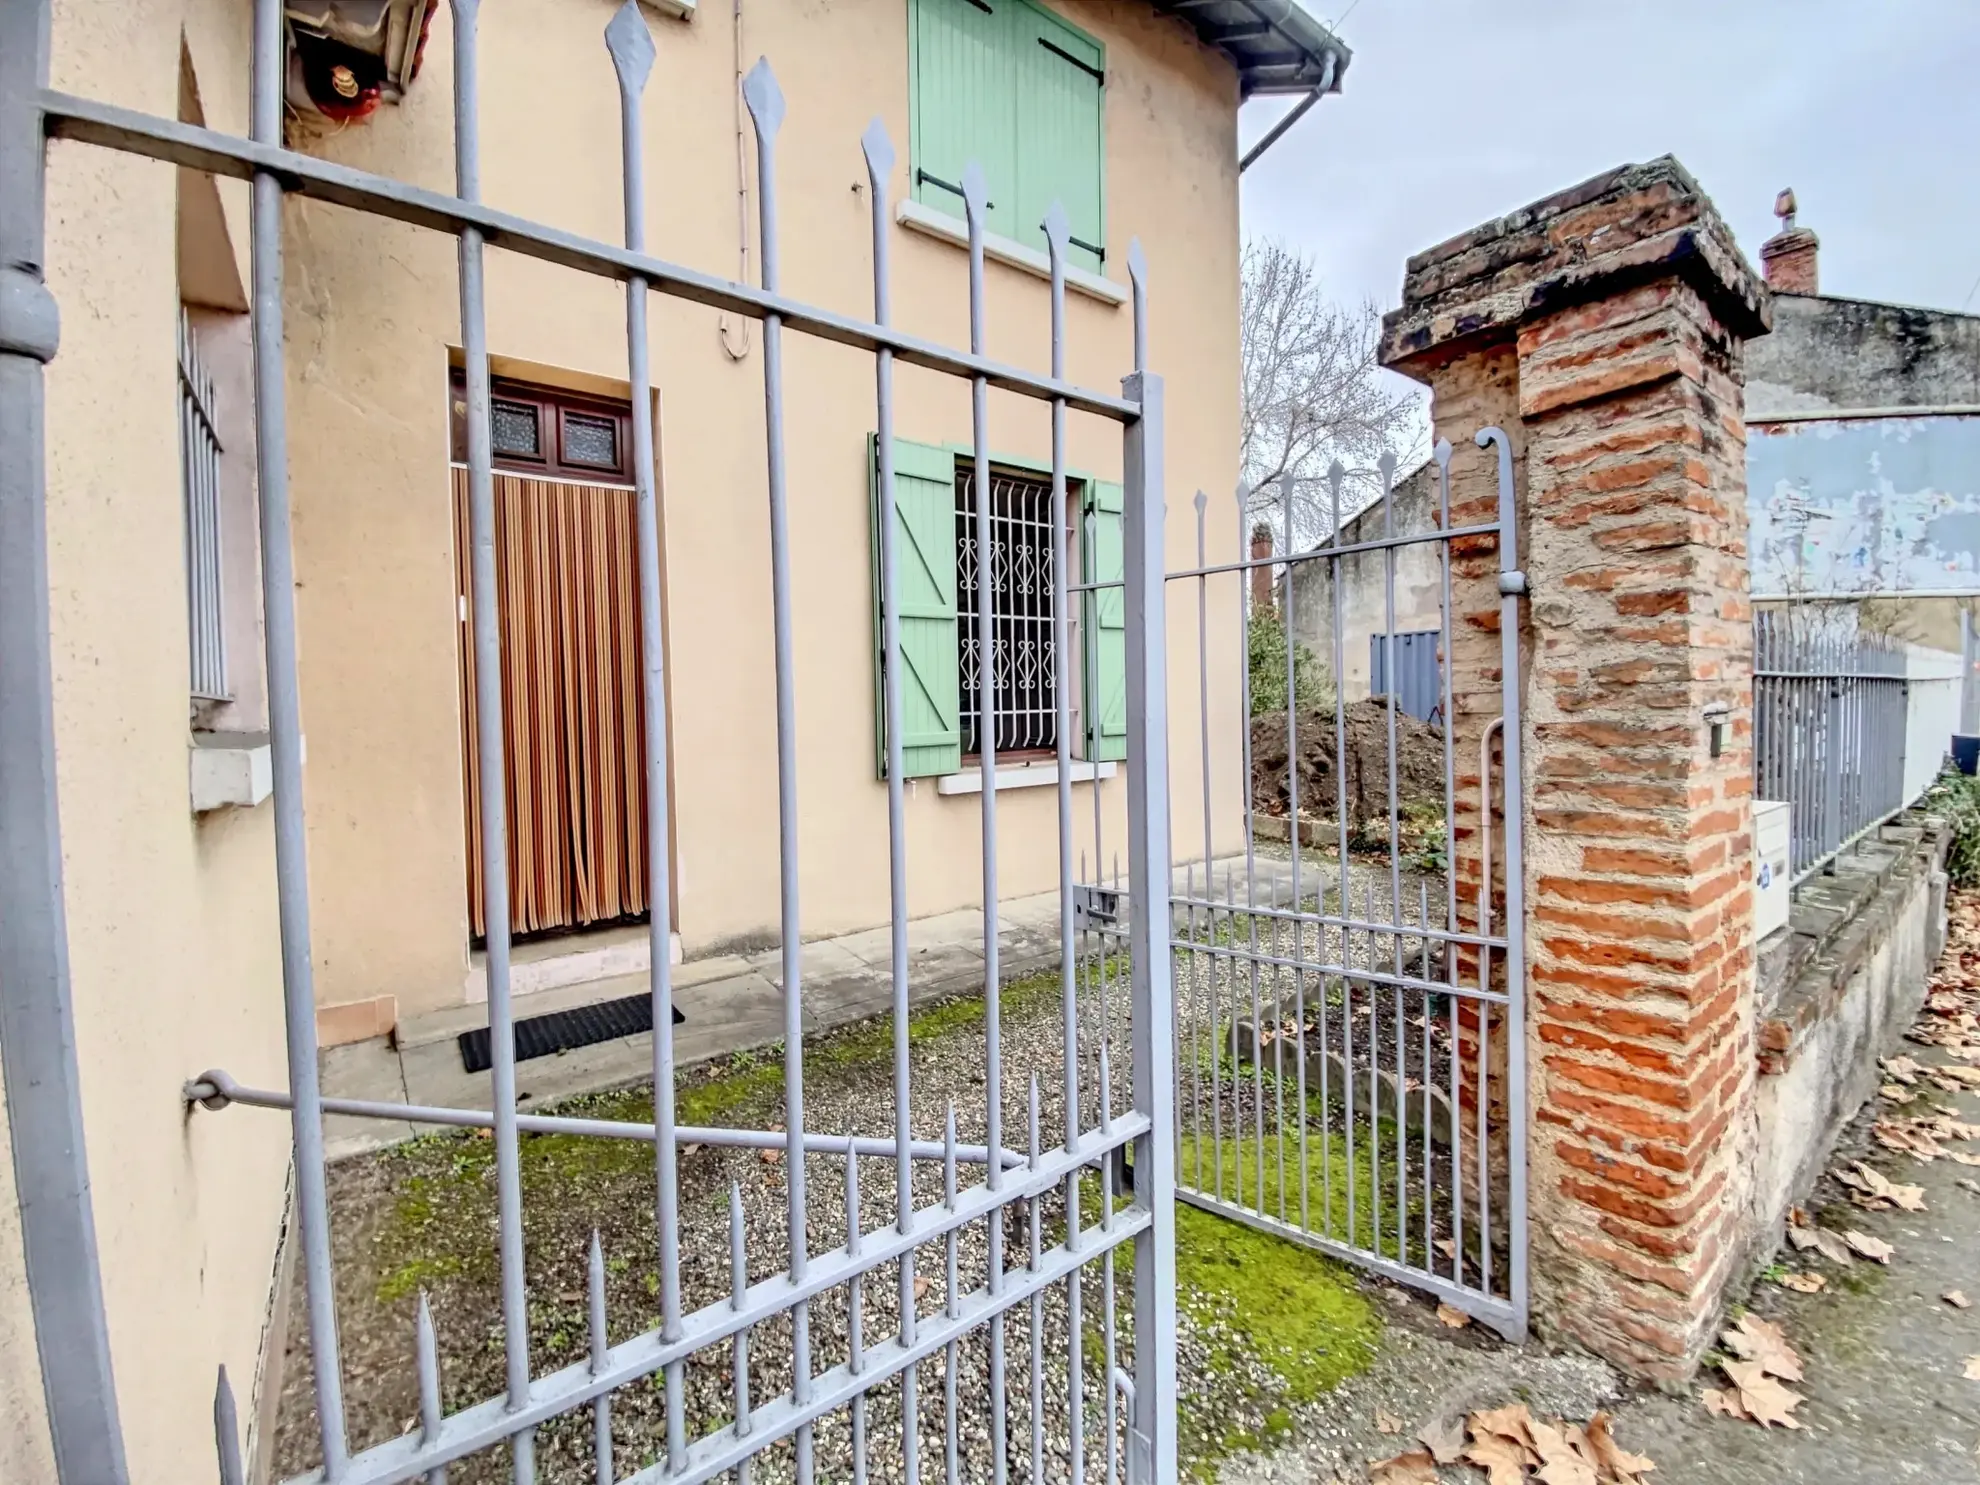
x=961, y=59
x=1060, y=133
x=1103, y=624
x=925, y=583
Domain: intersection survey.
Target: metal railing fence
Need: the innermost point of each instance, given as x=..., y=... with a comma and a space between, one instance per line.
x=812, y=1381
x=1830, y=706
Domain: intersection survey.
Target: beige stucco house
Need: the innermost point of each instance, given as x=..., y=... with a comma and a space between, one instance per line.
x=166, y=835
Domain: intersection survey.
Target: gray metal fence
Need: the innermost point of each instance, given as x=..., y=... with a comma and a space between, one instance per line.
x=1351, y=1045
x=1829, y=728
x=1086, y=1127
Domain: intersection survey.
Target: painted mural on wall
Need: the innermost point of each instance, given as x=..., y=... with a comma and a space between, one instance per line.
x=1856, y=507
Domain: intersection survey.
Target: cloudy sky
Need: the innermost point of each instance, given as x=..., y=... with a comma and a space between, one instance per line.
x=1455, y=111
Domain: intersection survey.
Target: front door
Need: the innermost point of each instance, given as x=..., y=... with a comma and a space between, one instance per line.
x=573, y=733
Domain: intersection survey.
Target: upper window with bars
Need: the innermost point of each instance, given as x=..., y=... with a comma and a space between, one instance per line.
x=938, y=570
x=199, y=466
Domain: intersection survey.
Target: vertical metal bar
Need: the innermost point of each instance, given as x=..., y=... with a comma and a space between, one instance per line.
x=739, y=1347
x=227, y=1432
x=1201, y=504
x=1442, y=454
x=856, y=1308
x=1036, y=1232
x=1153, y=1450
x=1511, y=584
x=1335, y=474
x=765, y=101
x=37, y=1023
x=879, y=152
x=426, y=1358
x=1292, y=833
x=594, y=1313
x=952, y=1284
x=974, y=207
x=631, y=47
x=1108, y=1321
x=488, y=739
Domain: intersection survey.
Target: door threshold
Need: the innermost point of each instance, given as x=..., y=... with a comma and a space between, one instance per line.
x=572, y=959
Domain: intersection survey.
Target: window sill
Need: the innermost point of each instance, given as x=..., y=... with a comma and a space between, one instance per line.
x=925, y=219
x=230, y=768
x=1023, y=776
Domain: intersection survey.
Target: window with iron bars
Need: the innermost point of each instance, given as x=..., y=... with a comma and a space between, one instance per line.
x=1021, y=612
x=199, y=466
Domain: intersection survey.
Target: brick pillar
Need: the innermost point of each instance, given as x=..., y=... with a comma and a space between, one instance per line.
x=1261, y=577
x=1603, y=329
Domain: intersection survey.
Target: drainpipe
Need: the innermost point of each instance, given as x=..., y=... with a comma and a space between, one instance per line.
x=1297, y=112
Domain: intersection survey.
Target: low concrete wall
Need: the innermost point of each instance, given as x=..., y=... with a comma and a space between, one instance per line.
x=1838, y=987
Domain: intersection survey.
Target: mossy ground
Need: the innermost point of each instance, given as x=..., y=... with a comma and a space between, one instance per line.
x=1274, y=1325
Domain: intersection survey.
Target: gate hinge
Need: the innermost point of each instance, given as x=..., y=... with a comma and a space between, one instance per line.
x=1512, y=585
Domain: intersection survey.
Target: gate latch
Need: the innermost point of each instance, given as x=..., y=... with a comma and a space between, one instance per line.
x=1096, y=907
x=1512, y=585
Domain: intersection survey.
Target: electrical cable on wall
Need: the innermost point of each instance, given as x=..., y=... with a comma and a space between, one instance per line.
x=742, y=204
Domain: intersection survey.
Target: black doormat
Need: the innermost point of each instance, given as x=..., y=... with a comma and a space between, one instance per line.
x=561, y=1031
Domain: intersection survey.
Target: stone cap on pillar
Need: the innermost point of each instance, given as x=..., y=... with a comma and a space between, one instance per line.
x=1634, y=224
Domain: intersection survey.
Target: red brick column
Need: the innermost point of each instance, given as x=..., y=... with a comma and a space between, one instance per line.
x=1602, y=328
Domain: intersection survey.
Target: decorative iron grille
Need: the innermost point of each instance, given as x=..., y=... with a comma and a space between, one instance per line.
x=1022, y=613
x=199, y=461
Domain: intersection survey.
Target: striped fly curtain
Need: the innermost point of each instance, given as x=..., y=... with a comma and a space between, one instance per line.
x=573, y=734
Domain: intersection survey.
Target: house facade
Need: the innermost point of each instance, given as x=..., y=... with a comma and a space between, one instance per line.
x=1125, y=113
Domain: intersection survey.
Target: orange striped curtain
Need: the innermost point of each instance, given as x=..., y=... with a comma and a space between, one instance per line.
x=573, y=733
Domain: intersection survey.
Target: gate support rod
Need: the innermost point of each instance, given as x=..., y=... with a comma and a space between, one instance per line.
x=37, y=1020
x=216, y=1090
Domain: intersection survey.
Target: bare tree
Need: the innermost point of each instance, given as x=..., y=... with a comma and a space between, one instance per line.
x=1312, y=394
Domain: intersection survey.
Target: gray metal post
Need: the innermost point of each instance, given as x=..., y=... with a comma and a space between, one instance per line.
x=1152, y=1427
x=1512, y=587
x=37, y=1025
x=278, y=602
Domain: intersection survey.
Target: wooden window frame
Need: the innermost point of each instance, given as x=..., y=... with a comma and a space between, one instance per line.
x=553, y=408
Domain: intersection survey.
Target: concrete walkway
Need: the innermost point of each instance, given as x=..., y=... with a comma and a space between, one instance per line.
x=733, y=1003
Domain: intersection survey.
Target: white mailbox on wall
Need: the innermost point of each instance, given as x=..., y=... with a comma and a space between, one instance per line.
x=1770, y=866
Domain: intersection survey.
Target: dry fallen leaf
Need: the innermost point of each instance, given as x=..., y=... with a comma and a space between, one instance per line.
x=1903, y=1069
x=1725, y=1402
x=1764, y=1399
x=920, y=1286
x=1957, y=1299
x=1973, y=1368
x=1831, y=1246
x=1503, y=1460
x=1964, y=1158
x=1414, y=1468
x=1444, y=1440
x=1807, y=1283
x=1970, y=1076
x=1453, y=1317
x=1763, y=1342
x=1388, y=1422
x=1560, y=1464
x=1619, y=1464
x=1896, y=1093
x=1875, y=1249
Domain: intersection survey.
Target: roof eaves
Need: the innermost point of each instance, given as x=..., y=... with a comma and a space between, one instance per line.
x=1274, y=44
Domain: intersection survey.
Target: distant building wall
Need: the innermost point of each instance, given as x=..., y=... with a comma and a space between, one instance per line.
x=1308, y=593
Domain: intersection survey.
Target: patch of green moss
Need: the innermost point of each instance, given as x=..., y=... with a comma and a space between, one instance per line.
x=1332, y=1172
x=418, y=1273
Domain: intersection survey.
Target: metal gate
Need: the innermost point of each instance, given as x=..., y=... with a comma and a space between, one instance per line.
x=1044, y=1202
x=1349, y=1027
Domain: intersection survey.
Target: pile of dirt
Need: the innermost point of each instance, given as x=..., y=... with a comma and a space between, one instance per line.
x=1419, y=762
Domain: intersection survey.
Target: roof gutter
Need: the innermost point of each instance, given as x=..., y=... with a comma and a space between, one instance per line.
x=1293, y=115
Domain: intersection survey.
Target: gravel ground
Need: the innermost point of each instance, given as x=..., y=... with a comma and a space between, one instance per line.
x=422, y=1217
